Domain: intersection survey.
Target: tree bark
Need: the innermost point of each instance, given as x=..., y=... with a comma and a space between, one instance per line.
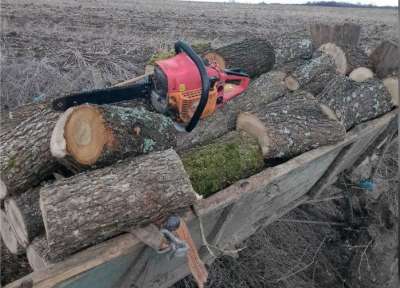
x=13, y=117
x=93, y=206
x=24, y=215
x=312, y=76
x=38, y=253
x=266, y=88
x=347, y=34
x=255, y=56
x=385, y=59
x=8, y=236
x=12, y=266
x=356, y=102
x=25, y=158
x=219, y=164
x=92, y=136
x=291, y=49
x=291, y=126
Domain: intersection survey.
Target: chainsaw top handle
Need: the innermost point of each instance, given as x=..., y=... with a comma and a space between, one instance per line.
x=181, y=46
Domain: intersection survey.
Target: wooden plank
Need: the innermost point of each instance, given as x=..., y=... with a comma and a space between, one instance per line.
x=268, y=194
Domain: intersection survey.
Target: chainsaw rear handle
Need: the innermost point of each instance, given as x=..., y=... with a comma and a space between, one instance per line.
x=181, y=46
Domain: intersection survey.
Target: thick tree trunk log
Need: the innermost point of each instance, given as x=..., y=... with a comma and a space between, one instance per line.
x=255, y=56
x=312, y=76
x=346, y=58
x=268, y=87
x=93, y=206
x=385, y=59
x=25, y=158
x=355, y=102
x=38, y=253
x=291, y=49
x=13, y=117
x=361, y=74
x=392, y=85
x=347, y=34
x=291, y=126
x=12, y=266
x=215, y=166
x=24, y=215
x=8, y=235
x=92, y=136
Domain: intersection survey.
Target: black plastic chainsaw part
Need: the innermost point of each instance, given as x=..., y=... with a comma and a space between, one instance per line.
x=139, y=90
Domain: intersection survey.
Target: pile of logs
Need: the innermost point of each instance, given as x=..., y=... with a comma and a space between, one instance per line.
x=74, y=179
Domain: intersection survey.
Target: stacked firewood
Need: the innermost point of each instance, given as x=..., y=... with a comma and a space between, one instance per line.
x=74, y=179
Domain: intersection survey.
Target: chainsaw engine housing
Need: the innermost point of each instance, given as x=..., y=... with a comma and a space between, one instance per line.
x=177, y=88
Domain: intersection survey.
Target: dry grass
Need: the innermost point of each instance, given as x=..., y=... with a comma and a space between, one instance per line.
x=49, y=48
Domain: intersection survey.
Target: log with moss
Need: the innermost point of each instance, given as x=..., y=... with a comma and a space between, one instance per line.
x=312, y=76
x=355, y=102
x=92, y=136
x=219, y=164
x=263, y=90
x=291, y=126
x=253, y=55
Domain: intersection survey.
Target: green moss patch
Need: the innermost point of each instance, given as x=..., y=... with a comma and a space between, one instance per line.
x=220, y=164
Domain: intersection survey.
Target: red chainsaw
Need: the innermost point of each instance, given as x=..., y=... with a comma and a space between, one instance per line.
x=182, y=86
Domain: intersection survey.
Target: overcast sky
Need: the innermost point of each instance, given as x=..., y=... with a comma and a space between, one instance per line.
x=375, y=2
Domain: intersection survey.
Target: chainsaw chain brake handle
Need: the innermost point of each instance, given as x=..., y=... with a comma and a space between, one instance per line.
x=181, y=46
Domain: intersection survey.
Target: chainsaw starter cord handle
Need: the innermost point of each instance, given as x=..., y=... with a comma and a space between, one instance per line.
x=181, y=46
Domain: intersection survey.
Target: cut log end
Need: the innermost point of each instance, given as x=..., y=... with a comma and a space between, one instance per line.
x=8, y=235
x=361, y=74
x=213, y=57
x=392, y=85
x=328, y=112
x=338, y=56
x=58, y=146
x=17, y=222
x=255, y=128
x=35, y=260
x=85, y=134
x=37, y=253
x=291, y=83
x=3, y=190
